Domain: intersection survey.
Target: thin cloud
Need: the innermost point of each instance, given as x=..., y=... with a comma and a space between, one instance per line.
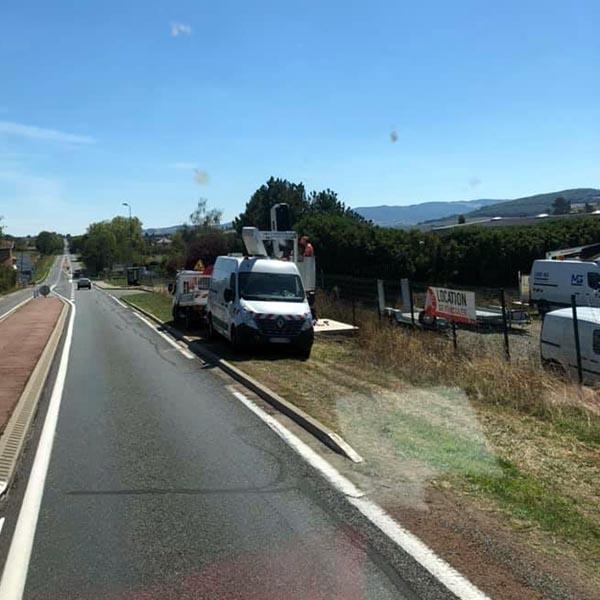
x=178, y=29
x=474, y=182
x=183, y=166
x=393, y=136
x=39, y=133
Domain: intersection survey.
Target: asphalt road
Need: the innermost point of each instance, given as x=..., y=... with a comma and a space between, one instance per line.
x=13, y=299
x=163, y=485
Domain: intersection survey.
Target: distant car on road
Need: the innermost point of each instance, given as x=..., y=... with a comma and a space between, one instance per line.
x=84, y=282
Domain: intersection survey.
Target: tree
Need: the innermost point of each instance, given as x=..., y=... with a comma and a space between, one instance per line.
x=48, y=242
x=560, y=206
x=461, y=219
x=258, y=209
x=588, y=207
x=100, y=247
x=326, y=201
x=204, y=218
x=206, y=248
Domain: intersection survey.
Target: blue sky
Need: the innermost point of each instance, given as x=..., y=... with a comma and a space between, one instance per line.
x=114, y=101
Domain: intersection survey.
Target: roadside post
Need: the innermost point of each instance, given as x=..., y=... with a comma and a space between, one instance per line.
x=380, y=298
x=454, y=341
x=504, y=325
x=576, y=334
x=412, y=303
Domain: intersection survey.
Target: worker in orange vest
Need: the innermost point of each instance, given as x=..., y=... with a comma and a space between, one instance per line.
x=306, y=248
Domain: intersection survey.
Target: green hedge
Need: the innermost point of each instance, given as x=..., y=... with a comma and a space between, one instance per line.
x=473, y=255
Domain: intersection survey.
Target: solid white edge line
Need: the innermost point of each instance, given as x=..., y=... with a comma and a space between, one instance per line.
x=16, y=567
x=119, y=302
x=12, y=310
x=165, y=337
x=1, y=523
x=411, y=544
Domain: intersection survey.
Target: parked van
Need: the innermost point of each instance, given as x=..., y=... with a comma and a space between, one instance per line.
x=557, y=342
x=552, y=282
x=259, y=301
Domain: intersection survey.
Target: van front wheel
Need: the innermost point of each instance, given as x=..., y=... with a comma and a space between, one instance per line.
x=235, y=340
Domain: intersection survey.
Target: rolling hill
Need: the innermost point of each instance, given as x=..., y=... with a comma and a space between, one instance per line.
x=533, y=205
x=403, y=216
x=434, y=213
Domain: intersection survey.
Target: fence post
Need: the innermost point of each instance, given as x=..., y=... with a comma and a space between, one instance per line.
x=353, y=309
x=380, y=298
x=504, y=324
x=412, y=303
x=454, y=341
x=576, y=334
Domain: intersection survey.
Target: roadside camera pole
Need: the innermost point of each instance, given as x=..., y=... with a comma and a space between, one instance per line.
x=504, y=325
x=576, y=334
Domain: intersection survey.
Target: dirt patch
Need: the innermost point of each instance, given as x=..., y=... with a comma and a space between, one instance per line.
x=482, y=547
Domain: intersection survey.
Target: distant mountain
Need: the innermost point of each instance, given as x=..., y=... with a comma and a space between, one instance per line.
x=162, y=230
x=534, y=205
x=439, y=213
x=402, y=216
x=175, y=228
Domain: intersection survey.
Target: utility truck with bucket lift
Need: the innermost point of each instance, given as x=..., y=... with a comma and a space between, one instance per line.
x=190, y=296
x=262, y=298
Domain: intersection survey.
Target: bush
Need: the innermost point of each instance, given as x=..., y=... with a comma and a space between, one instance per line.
x=8, y=278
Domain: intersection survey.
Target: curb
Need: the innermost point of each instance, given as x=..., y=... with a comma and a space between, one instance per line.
x=310, y=424
x=16, y=430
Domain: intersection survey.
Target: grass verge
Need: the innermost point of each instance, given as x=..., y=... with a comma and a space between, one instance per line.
x=506, y=437
x=157, y=304
x=42, y=267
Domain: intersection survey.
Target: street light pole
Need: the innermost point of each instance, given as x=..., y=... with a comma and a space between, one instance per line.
x=130, y=234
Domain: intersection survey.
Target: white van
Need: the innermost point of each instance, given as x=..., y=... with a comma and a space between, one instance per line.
x=557, y=342
x=552, y=282
x=259, y=301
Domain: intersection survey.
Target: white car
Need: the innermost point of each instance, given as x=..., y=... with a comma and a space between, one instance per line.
x=258, y=301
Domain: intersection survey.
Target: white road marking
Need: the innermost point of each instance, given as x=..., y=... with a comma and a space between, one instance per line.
x=315, y=460
x=119, y=302
x=1, y=524
x=165, y=337
x=12, y=310
x=412, y=545
x=16, y=567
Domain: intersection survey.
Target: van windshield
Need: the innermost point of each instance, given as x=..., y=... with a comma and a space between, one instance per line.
x=271, y=286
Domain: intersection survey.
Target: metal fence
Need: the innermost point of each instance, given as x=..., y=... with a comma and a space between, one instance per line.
x=498, y=310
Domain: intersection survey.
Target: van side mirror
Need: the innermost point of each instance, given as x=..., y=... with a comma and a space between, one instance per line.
x=171, y=288
x=228, y=295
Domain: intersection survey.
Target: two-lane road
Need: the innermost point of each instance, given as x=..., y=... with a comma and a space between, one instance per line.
x=14, y=299
x=162, y=485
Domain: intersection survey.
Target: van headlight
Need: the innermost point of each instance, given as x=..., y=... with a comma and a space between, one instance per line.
x=308, y=321
x=247, y=317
